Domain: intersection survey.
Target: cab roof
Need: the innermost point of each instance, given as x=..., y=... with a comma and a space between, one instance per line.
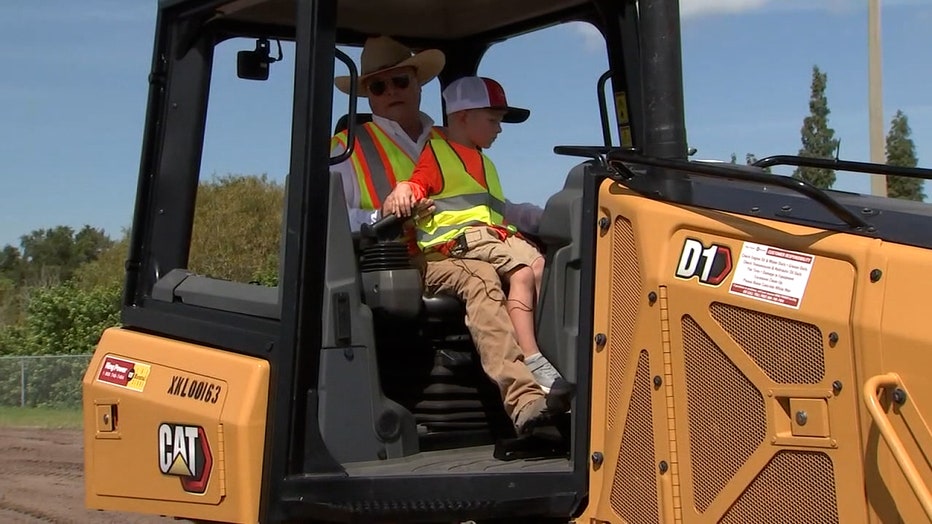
x=430, y=20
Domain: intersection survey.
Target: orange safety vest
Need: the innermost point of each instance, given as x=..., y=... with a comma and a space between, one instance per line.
x=378, y=161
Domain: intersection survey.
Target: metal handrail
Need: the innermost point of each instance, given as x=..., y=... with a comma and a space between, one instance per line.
x=726, y=171
x=603, y=108
x=844, y=165
x=889, y=435
x=351, y=119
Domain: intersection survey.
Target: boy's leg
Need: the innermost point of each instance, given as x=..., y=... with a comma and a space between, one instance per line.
x=520, y=295
x=521, y=298
x=515, y=260
x=477, y=284
x=525, y=252
x=538, y=267
x=512, y=262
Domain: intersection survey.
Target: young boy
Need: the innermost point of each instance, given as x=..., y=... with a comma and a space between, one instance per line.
x=468, y=221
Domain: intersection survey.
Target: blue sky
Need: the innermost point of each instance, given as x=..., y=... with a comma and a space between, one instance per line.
x=73, y=93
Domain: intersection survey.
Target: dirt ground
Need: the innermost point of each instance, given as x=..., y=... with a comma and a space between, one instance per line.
x=42, y=480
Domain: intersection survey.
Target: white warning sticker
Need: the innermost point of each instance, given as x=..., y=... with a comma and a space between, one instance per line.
x=772, y=274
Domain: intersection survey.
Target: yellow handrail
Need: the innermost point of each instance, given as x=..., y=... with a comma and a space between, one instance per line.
x=896, y=446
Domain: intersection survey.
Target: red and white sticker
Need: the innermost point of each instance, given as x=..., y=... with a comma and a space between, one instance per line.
x=772, y=274
x=124, y=373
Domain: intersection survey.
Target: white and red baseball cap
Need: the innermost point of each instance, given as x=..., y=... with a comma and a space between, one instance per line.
x=476, y=92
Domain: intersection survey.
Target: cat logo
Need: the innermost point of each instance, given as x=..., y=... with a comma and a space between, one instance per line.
x=711, y=264
x=184, y=452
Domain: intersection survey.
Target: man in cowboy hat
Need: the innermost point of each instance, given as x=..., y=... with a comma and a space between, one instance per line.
x=385, y=153
x=391, y=78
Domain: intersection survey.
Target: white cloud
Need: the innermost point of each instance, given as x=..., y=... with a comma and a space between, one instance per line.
x=592, y=38
x=703, y=7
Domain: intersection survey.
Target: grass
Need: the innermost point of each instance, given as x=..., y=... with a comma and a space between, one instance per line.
x=48, y=418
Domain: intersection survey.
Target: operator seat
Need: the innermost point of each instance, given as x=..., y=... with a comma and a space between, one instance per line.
x=361, y=118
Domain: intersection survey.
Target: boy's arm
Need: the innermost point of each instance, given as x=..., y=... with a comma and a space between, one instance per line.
x=407, y=194
x=426, y=179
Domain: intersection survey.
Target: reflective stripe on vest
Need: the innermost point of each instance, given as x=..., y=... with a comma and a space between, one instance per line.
x=379, y=163
x=463, y=201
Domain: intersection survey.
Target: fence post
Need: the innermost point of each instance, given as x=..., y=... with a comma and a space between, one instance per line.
x=22, y=382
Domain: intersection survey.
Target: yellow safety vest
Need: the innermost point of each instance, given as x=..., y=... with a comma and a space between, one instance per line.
x=463, y=201
x=378, y=161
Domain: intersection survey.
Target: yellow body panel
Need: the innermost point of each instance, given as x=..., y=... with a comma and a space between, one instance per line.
x=174, y=428
x=731, y=392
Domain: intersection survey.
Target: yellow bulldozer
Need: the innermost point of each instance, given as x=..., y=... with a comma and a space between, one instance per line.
x=745, y=347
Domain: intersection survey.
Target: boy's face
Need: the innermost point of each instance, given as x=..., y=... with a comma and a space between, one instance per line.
x=482, y=126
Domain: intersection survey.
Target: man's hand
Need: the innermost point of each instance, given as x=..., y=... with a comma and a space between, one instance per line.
x=399, y=202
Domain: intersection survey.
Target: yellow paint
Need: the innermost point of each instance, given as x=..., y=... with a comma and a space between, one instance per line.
x=852, y=328
x=621, y=107
x=194, y=401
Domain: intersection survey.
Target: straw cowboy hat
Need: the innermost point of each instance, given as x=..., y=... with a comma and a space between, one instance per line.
x=382, y=53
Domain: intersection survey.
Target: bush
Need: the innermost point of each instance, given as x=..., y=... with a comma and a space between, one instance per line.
x=63, y=319
x=107, y=270
x=237, y=227
x=60, y=321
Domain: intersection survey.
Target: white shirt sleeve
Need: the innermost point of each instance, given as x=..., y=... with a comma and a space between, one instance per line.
x=524, y=216
x=351, y=192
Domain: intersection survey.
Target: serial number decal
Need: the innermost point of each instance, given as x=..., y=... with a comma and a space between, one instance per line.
x=187, y=387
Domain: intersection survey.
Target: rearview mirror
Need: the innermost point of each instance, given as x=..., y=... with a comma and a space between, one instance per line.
x=254, y=65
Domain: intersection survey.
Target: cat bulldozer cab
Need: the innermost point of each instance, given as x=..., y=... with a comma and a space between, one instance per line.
x=745, y=347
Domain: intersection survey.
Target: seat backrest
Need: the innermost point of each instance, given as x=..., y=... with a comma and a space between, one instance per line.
x=558, y=306
x=361, y=118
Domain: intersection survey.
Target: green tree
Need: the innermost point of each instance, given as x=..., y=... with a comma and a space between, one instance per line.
x=10, y=304
x=734, y=158
x=12, y=275
x=817, y=137
x=72, y=293
x=89, y=243
x=237, y=227
x=901, y=151
x=52, y=255
x=107, y=269
x=59, y=320
x=11, y=263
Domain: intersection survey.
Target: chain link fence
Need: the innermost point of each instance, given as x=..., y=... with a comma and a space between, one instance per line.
x=42, y=380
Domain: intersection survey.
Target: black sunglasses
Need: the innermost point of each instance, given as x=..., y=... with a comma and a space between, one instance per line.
x=378, y=87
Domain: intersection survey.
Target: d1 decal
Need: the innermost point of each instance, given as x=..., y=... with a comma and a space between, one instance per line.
x=710, y=264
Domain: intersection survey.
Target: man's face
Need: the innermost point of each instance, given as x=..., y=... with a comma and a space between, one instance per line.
x=394, y=94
